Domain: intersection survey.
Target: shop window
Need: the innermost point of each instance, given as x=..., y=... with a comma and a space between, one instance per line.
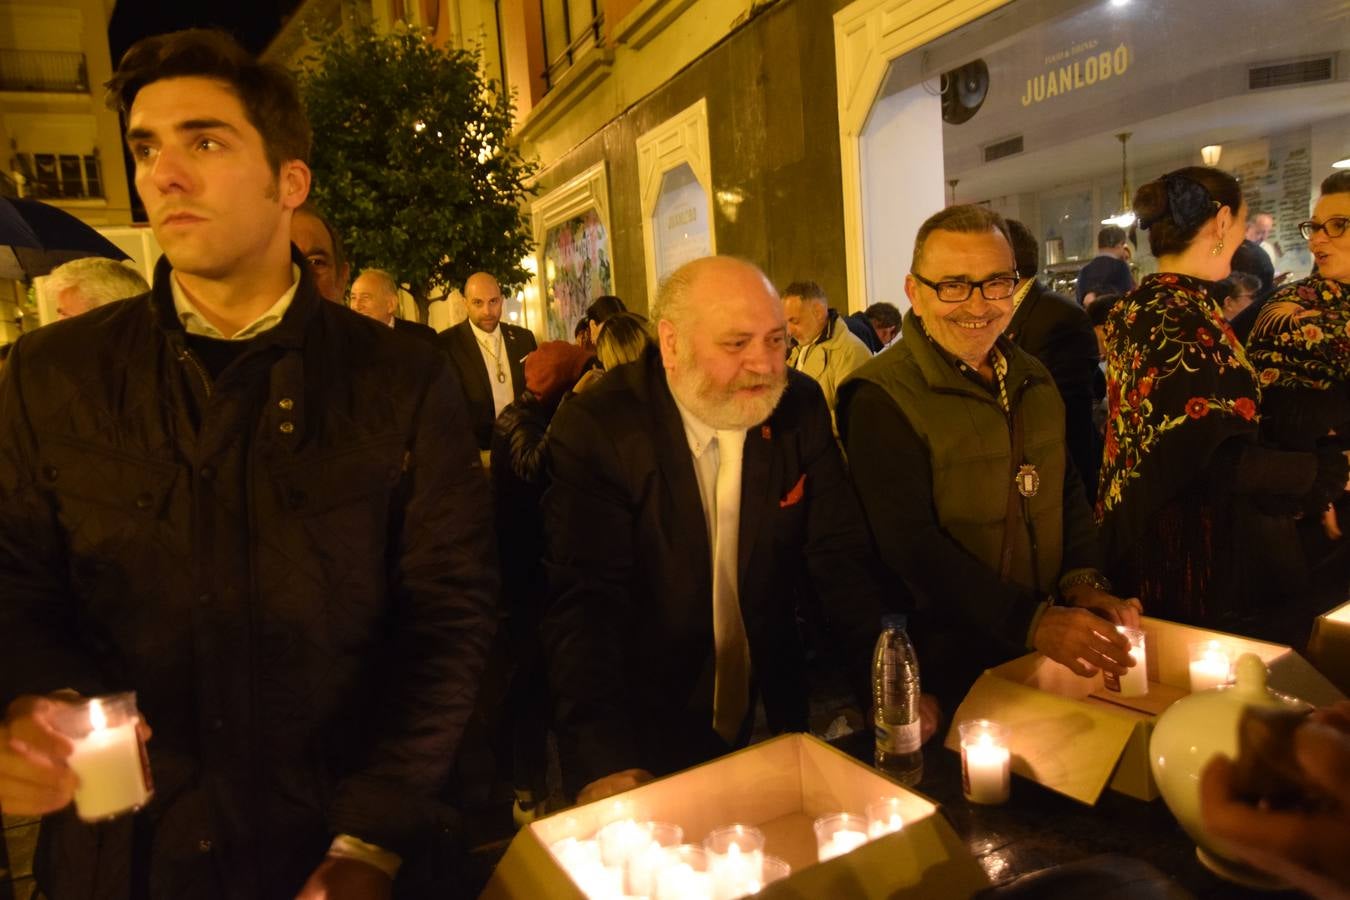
x=1023, y=110
x=680, y=225
x=575, y=262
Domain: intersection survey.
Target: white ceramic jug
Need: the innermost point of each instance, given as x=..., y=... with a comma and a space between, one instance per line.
x=1193, y=731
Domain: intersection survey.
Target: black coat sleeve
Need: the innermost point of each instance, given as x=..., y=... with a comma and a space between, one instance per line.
x=38, y=627
x=891, y=469
x=444, y=586
x=589, y=520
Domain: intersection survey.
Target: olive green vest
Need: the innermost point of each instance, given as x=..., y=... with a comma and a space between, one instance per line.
x=969, y=442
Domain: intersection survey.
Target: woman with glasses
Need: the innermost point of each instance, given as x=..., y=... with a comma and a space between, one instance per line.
x=1300, y=348
x=1197, y=516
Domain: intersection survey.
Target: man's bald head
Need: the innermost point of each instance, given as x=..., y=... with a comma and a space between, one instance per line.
x=723, y=341
x=483, y=298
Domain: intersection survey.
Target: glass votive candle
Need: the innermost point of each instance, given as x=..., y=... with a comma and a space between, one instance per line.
x=839, y=834
x=685, y=875
x=1134, y=683
x=735, y=860
x=618, y=840
x=109, y=757
x=883, y=817
x=1211, y=665
x=643, y=864
x=986, y=762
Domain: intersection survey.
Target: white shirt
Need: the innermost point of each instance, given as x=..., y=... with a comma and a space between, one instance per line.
x=195, y=323
x=493, y=348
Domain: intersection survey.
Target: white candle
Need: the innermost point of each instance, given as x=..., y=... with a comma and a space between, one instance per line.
x=839, y=843
x=735, y=874
x=620, y=839
x=1211, y=666
x=985, y=770
x=109, y=767
x=1134, y=683
x=889, y=825
x=643, y=867
x=986, y=762
x=883, y=817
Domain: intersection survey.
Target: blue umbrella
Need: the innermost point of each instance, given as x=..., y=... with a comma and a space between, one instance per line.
x=36, y=238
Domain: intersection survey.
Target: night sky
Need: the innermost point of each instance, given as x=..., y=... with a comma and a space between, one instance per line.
x=253, y=22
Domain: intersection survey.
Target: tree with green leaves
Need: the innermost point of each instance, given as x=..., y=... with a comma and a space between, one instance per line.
x=412, y=160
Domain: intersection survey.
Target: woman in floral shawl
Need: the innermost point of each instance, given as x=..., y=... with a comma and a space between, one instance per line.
x=1300, y=348
x=1187, y=496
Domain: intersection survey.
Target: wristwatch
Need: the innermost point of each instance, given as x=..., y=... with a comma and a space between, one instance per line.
x=1090, y=577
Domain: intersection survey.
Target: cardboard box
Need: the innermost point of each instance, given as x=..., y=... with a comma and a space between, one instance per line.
x=1329, y=646
x=1072, y=736
x=782, y=786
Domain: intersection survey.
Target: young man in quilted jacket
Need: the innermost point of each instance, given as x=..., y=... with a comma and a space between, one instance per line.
x=258, y=510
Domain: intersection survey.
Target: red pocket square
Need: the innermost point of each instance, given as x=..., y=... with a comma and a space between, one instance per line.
x=794, y=496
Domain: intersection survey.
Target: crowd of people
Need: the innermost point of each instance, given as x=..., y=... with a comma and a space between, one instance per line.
x=321, y=545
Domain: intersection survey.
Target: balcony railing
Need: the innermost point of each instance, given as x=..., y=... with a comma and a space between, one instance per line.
x=575, y=33
x=46, y=71
x=61, y=176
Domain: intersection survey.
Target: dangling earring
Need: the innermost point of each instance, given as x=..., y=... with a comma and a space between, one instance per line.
x=1218, y=248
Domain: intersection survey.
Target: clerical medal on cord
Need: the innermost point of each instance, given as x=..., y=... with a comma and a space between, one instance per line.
x=1028, y=480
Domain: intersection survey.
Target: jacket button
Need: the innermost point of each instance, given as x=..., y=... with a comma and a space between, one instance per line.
x=50, y=473
x=286, y=403
x=144, y=501
x=204, y=845
x=287, y=427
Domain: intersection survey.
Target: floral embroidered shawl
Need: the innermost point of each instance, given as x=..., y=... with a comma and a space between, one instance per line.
x=1301, y=339
x=1178, y=385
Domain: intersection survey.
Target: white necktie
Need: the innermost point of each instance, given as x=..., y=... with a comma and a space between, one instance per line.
x=731, y=690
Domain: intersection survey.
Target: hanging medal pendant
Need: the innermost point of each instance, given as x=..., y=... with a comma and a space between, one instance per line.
x=1028, y=480
x=501, y=377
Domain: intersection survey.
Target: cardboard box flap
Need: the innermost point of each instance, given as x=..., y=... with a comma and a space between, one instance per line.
x=1068, y=746
x=929, y=862
x=1329, y=646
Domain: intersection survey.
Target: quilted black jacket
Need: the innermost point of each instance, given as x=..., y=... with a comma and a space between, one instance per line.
x=293, y=566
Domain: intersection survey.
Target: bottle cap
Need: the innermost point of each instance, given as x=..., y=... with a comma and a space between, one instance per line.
x=898, y=621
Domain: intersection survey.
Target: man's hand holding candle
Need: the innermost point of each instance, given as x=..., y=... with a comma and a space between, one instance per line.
x=1081, y=640
x=34, y=777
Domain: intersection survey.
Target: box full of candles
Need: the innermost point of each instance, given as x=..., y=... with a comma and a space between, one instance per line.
x=791, y=817
x=1079, y=736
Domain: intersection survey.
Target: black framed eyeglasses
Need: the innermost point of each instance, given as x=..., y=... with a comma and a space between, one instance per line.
x=1000, y=287
x=1334, y=227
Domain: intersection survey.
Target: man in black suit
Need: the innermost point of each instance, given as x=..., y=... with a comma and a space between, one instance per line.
x=1057, y=331
x=375, y=296
x=692, y=490
x=489, y=355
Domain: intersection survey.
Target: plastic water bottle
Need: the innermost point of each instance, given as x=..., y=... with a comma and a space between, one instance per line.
x=895, y=703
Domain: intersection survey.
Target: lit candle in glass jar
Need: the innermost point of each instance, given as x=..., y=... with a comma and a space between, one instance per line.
x=985, y=762
x=1134, y=683
x=1211, y=665
x=839, y=834
x=108, y=758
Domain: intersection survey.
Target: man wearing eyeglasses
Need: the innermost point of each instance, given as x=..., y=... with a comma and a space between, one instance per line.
x=955, y=440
